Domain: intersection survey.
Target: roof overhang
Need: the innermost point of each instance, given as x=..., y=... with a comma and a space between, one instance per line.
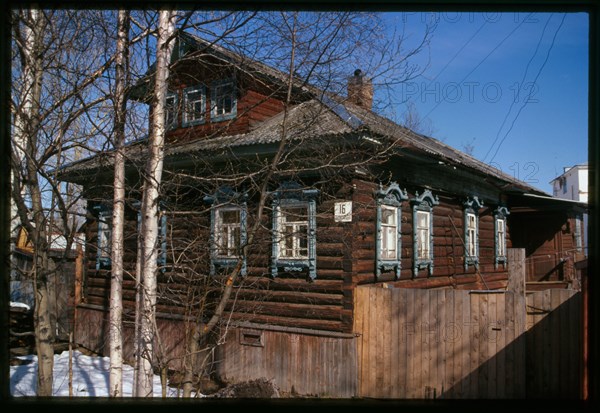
x=528, y=202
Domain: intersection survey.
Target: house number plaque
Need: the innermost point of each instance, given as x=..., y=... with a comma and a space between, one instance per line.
x=342, y=211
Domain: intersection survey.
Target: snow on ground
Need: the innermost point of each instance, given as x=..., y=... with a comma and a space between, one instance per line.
x=90, y=377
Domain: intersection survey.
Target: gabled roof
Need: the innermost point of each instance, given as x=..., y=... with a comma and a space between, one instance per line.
x=321, y=116
x=313, y=120
x=189, y=47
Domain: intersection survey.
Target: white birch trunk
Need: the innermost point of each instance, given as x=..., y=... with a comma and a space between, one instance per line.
x=150, y=205
x=24, y=147
x=116, y=280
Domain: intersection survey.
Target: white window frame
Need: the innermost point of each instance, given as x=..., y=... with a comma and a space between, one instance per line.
x=471, y=231
x=201, y=115
x=231, y=247
x=298, y=234
x=389, y=200
x=423, y=235
x=290, y=195
x=500, y=229
x=217, y=112
x=223, y=200
x=389, y=233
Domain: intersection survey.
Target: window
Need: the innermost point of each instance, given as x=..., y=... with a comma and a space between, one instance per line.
x=294, y=230
x=423, y=231
x=423, y=235
x=103, y=258
x=389, y=233
x=293, y=227
x=193, y=105
x=224, y=103
x=500, y=215
x=471, y=225
x=171, y=111
x=228, y=230
x=471, y=238
x=389, y=236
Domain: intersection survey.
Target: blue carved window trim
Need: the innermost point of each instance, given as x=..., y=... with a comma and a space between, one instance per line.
x=423, y=204
x=171, y=111
x=500, y=215
x=471, y=235
x=389, y=200
x=199, y=117
x=104, y=240
x=227, y=199
x=291, y=195
x=223, y=97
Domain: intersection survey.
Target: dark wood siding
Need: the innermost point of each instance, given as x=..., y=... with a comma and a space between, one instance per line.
x=448, y=248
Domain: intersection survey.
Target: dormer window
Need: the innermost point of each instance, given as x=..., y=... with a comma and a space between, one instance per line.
x=223, y=100
x=194, y=105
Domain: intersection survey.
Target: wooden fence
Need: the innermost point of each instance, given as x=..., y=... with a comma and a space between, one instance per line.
x=467, y=344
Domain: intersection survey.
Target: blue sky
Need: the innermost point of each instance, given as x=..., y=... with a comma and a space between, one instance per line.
x=512, y=85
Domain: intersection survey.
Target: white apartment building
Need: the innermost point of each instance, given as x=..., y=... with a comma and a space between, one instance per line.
x=573, y=185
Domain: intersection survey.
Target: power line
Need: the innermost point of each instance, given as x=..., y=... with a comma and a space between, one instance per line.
x=485, y=58
x=534, y=82
x=520, y=85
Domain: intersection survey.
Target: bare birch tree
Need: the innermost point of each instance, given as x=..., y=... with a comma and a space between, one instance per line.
x=118, y=218
x=55, y=91
x=150, y=204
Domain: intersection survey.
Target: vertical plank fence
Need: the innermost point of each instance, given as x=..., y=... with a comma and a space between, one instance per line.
x=417, y=344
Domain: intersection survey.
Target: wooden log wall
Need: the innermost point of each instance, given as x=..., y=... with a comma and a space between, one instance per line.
x=345, y=258
x=448, y=248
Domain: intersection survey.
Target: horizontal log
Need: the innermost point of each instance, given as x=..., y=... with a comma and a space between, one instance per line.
x=289, y=297
x=294, y=284
x=327, y=325
x=307, y=311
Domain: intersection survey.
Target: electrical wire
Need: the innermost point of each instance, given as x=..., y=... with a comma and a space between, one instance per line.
x=534, y=82
x=537, y=48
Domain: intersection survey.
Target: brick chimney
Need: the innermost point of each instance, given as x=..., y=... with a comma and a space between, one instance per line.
x=360, y=90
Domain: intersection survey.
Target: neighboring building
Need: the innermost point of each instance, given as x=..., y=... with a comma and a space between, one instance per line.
x=62, y=283
x=355, y=200
x=573, y=185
